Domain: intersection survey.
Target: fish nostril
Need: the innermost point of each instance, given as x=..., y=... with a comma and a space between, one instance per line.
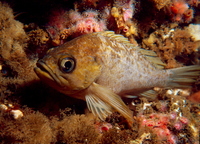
x=40, y=64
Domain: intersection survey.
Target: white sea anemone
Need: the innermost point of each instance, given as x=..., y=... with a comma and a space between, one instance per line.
x=194, y=30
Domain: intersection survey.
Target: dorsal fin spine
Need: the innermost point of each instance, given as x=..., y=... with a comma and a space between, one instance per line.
x=150, y=55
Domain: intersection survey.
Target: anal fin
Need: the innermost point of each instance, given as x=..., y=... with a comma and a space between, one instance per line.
x=150, y=94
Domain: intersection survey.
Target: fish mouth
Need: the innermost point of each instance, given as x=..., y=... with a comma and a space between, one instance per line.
x=45, y=72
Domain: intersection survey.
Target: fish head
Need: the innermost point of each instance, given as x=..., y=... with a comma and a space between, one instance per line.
x=68, y=69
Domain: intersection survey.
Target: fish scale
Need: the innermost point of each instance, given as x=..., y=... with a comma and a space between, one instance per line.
x=102, y=67
x=125, y=68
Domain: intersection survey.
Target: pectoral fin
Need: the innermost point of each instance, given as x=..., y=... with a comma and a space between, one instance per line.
x=98, y=107
x=102, y=102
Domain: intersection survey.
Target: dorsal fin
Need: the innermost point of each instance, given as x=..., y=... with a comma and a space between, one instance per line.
x=149, y=54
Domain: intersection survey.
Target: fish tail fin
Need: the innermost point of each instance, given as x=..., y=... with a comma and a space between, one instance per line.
x=183, y=77
x=102, y=102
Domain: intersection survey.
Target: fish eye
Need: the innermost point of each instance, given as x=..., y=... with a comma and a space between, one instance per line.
x=67, y=64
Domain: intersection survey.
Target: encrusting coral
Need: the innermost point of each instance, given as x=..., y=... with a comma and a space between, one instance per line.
x=31, y=112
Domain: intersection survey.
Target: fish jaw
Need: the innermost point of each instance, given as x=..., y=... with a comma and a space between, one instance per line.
x=44, y=72
x=49, y=77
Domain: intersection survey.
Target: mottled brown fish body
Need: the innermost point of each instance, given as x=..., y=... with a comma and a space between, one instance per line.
x=124, y=69
x=100, y=66
x=108, y=62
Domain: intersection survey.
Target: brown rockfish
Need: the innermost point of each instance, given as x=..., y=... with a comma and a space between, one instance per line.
x=102, y=67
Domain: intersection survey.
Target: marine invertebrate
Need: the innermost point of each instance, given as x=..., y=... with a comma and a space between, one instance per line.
x=161, y=3
x=17, y=114
x=194, y=30
x=102, y=127
x=38, y=37
x=57, y=22
x=171, y=126
x=193, y=2
x=85, y=23
x=70, y=24
x=123, y=12
x=167, y=126
x=141, y=138
x=38, y=42
x=34, y=127
x=174, y=46
x=16, y=67
x=180, y=11
x=73, y=24
x=14, y=111
x=77, y=128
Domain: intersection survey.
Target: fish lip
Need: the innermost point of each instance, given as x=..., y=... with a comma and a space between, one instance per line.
x=43, y=68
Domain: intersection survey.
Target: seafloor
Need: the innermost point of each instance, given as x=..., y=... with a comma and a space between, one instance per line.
x=33, y=113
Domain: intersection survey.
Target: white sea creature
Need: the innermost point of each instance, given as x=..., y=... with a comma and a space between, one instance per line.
x=17, y=114
x=194, y=30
